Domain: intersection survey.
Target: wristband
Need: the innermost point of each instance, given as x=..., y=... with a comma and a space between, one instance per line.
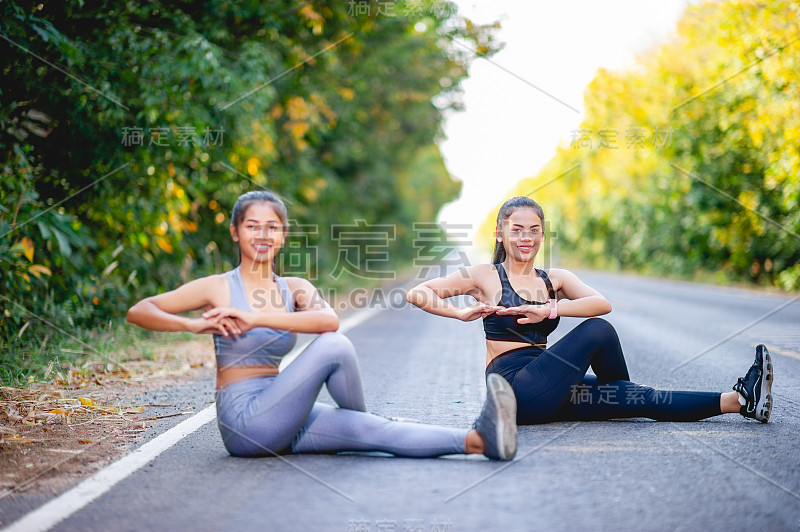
x=553, y=309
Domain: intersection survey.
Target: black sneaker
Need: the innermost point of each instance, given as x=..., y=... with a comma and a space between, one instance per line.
x=756, y=387
x=497, y=423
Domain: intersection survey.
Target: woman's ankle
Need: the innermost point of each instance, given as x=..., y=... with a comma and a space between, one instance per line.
x=729, y=403
x=473, y=443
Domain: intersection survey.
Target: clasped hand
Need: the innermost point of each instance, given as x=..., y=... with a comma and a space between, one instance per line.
x=528, y=313
x=225, y=321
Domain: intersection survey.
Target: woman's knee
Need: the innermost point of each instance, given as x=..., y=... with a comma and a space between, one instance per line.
x=599, y=329
x=336, y=344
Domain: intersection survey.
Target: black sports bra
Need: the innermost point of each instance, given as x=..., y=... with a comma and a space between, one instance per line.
x=506, y=328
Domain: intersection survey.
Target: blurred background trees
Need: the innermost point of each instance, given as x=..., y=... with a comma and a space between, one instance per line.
x=128, y=129
x=690, y=161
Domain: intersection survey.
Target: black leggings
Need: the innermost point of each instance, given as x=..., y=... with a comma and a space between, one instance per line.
x=552, y=385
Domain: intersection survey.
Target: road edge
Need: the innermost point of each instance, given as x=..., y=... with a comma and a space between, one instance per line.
x=75, y=499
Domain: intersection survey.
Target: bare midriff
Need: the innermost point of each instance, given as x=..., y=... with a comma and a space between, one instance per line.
x=496, y=348
x=229, y=375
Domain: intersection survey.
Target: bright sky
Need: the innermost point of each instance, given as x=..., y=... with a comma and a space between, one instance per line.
x=510, y=129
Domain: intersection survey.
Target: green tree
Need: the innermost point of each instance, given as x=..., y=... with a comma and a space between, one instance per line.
x=713, y=184
x=129, y=129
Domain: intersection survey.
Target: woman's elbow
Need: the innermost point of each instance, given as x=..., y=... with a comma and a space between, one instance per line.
x=133, y=314
x=410, y=296
x=330, y=323
x=137, y=314
x=416, y=296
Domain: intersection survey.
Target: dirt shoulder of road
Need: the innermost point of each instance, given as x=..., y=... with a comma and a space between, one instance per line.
x=53, y=435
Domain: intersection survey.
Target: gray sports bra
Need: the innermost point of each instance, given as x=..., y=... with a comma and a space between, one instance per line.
x=257, y=347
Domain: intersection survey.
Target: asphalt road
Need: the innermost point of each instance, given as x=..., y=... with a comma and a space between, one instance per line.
x=725, y=473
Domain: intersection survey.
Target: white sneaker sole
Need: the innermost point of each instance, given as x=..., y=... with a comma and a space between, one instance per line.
x=764, y=406
x=505, y=403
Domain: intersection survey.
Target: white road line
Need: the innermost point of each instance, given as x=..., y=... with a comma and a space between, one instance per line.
x=50, y=514
x=58, y=509
x=357, y=319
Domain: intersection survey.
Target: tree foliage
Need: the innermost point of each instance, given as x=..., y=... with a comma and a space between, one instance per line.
x=691, y=160
x=129, y=128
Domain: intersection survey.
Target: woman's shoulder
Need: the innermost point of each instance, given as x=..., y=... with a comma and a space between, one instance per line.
x=559, y=276
x=298, y=283
x=305, y=294
x=477, y=274
x=209, y=281
x=484, y=278
x=203, y=292
x=212, y=286
x=482, y=270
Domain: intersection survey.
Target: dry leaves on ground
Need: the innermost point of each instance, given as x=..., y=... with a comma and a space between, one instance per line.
x=54, y=434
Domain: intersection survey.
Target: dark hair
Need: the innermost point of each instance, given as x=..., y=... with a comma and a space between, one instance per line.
x=256, y=196
x=505, y=211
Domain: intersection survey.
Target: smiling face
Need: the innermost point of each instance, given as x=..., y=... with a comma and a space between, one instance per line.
x=522, y=234
x=260, y=234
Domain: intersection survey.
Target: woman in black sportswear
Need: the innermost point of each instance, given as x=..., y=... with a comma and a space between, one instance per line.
x=520, y=305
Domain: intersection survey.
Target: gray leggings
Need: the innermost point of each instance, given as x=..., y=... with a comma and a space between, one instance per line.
x=265, y=416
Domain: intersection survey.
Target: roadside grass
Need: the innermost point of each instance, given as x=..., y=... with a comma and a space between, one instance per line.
x=61, y=356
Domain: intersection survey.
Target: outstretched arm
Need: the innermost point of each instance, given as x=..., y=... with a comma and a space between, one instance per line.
x=162, y=312
x=431, y=296
x=313, y=315
x=579, y=300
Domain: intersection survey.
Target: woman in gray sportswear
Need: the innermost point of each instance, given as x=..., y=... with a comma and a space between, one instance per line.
x=254, y=316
